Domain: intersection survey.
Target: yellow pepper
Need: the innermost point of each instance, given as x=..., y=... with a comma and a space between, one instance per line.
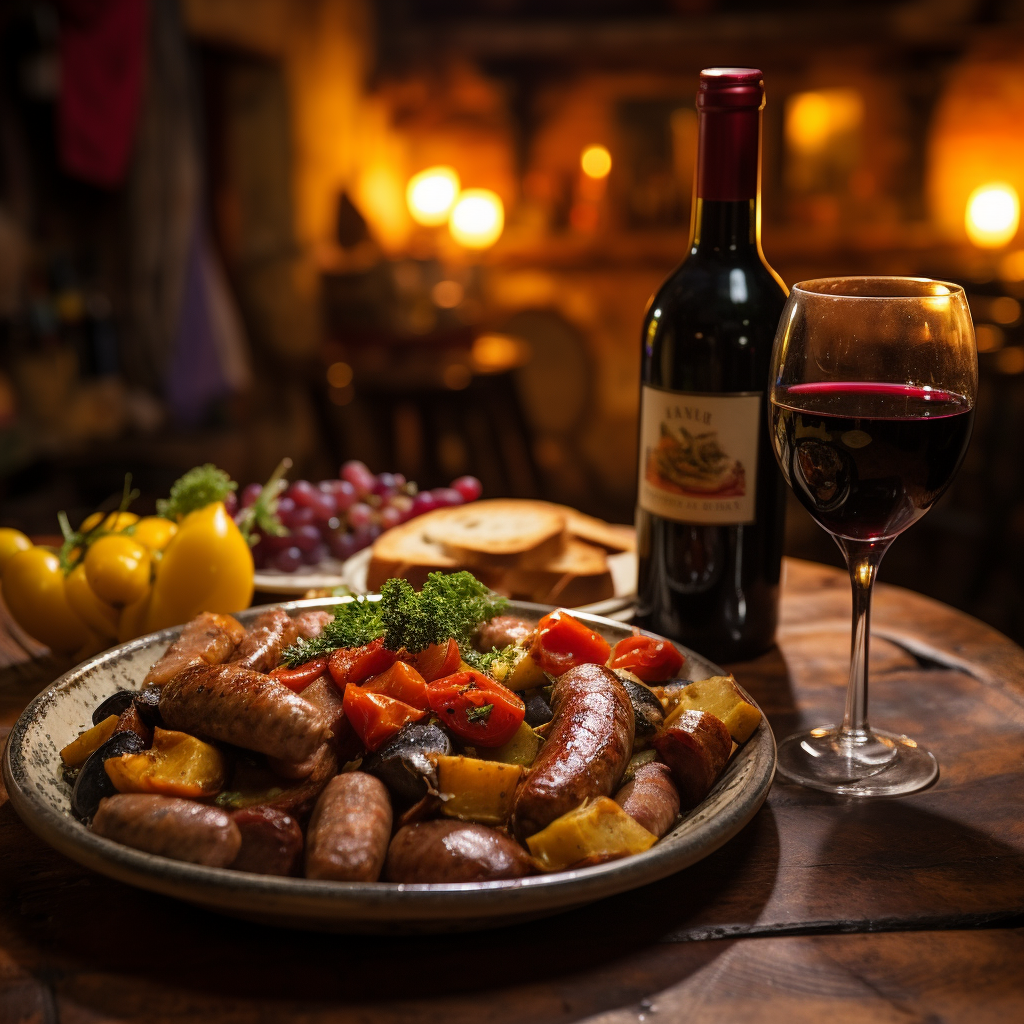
x=207, y=566
x=11, y=542
x=154, y=532
x=33, y=586
x=96, y=613
x=118, y=569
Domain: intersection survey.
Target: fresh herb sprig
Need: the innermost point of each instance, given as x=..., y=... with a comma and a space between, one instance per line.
x=198, y=488
x=262, y=513
x=486, y=662
x=449, y=605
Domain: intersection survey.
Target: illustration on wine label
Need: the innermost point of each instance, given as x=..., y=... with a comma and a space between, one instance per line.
x=698, y=456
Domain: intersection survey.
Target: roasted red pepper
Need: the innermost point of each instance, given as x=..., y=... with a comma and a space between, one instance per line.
x=376, y=717
x=653, y=661
x=563, y=642
x=357, y=664
x=402, y=682
x=476, y=708
x=436, y=661
x=299, y=678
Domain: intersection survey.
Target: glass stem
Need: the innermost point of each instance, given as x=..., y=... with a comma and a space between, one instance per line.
x=863, y=559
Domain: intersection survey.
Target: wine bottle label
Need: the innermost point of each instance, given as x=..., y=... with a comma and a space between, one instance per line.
x=698, y=455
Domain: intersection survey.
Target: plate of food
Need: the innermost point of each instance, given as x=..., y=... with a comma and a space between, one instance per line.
x=405, y=762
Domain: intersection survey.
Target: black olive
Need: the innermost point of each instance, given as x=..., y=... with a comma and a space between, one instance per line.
x=147, y=703
x=93, y=783
x=403, y=764
x=538, y=711
x=648, y=714
x=115, y=704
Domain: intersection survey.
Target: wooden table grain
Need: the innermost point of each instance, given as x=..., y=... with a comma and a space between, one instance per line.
x=823, y=908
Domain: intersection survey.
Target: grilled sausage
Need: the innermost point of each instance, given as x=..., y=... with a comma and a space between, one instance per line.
x=310, y=624
x=170, y=827
x=271, y=841
x=586, y=752
x=209, y=639
x=501, y=631
x=650, y=798
x=454, y=851
x=294, y=770
x=348, y=834
x=249, y=709
x=696, y=747
x=261, y=647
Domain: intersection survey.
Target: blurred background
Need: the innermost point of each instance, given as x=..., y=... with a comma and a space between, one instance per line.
x=422, y=233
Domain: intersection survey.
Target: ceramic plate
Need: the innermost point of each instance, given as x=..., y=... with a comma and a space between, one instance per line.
x=31, y=769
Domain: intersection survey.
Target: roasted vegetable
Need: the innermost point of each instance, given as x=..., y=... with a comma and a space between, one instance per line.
x=477, y=708
x=376, y=717
x=402, y=682
x=719, y=696
x=298, y=679
x=93, y=783
x=357, y=664
x=177, y=765
x=405, y=762
x=77, y=752
x=477, y=790
x=563, y=642
x=596, y=831
x=436, y=661
x=522, y=749
x=519, y=672
x=147, y=703
x=650, y=659
x=115, y=704
x=538, y=710
x=648, y=714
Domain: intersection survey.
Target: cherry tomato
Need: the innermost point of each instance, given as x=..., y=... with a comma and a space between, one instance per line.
x=476, y=708
x=376, y=717
x=436, y=661
x=563, y=642
x=653, y=661
x=357, y=664
x=299, y=678
x=118, y=569
x=402, y=682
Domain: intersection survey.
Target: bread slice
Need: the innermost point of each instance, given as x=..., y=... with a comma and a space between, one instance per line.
x=498, y=532
x=404, y=552
x=579, y=575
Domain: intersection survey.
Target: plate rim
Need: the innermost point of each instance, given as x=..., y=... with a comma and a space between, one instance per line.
x=351, y=902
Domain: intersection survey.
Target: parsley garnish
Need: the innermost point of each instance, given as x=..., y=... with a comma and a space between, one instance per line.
x=486, y=662
x=480, y=714
x=449, y=605
x=198, y=488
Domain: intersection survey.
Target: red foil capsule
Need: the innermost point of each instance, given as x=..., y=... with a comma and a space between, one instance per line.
x=729, y=105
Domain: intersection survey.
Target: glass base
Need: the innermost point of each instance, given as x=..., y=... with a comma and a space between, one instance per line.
x=866, y=763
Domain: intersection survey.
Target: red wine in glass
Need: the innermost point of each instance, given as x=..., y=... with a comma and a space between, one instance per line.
x=868, y=459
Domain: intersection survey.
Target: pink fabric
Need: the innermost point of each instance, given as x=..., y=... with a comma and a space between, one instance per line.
x=103, y=64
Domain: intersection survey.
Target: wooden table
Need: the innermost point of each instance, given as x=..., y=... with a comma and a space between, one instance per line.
x=823, y=908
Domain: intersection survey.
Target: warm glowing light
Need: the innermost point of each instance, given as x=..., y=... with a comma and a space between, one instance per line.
x=1011, y=266
x=596, y=162
x=339, y=375
x=430, y=195
x=993, y=215
x=815, y=119
x=497, y=353
x=447, y=294
x=477, y=219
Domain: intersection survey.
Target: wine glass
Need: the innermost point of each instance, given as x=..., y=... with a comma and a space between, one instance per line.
x=871, y=404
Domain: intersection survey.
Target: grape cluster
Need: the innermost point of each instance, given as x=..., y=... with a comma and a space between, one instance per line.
x=340, y=517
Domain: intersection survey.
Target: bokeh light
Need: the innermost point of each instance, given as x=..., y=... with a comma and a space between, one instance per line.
x=477, y=219
x=993, y=215
x=430, y=195
x=596, y=162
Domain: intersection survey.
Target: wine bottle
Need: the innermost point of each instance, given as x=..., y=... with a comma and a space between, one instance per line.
x=711, y=501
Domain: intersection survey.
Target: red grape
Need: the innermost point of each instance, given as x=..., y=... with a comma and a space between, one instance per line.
x=359, y=476
x=343, y=545
x=469, y=487
x=296, y=517
x=386, y=485
x=343, y=493
x=423, y=502
x=359, y=515
x=315, y=554
x=301, y=492
x=323, y=505
x=231, y=503
x=288, y=560
x=250, y=493
x=390, y=516
x=305, y=538
x=445, y=497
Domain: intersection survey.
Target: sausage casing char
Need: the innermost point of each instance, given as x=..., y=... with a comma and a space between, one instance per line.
x=246, y=708
x=454, y=851
x=501, y=631
x=209, y=639
x=586, y=752
x=696, y=747
x=271, y=841
x=348, y=834
x=170, y=827
x=261, y=647
x=650, y=798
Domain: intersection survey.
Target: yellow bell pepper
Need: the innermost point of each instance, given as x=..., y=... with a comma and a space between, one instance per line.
x=33, y=587
x=206, y=567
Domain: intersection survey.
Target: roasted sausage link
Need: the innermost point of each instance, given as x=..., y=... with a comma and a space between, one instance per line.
x=170, y=827
x=586, y=752
x=209, y=639
x=249, y=709
x=454, y=851
x=501, y=631
x=650, y=798
x=271, y=841
x=348, y=834
x=310, y=624
x=261, y=647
